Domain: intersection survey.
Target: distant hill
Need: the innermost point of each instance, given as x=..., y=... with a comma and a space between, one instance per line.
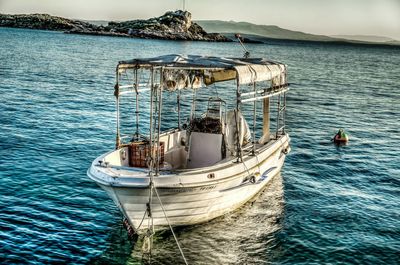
x=394, y=42
x=369, y=38
x=268, y=31
x=262, y=33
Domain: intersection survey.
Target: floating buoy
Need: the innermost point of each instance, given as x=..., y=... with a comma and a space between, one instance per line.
x=340, y=137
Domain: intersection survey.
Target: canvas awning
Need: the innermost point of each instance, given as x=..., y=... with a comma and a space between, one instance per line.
x=212, y=69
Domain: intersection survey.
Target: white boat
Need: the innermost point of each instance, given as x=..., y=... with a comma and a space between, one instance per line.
x=203, y=169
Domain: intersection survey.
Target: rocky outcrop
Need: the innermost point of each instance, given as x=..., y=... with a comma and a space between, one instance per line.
x=45, y=22
x=173, y=25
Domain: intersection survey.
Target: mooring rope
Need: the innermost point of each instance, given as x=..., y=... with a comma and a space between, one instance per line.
x=170, y=227
x=144, y=215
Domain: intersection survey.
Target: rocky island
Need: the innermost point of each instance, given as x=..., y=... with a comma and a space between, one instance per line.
x=44, y=22
x=173, y=25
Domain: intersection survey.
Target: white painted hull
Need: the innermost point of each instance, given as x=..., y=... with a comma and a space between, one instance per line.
x=190, y=196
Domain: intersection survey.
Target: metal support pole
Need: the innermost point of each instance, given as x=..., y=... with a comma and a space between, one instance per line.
x=137, y=103
x=151, y=122
x=284, y=100
x=278, y=116
x=254, y=121
x=193, y=111
x=178, y=99
x=284, y=112
x=238, y=145
x=151, y=161
x=116, y=94
x=159, y=124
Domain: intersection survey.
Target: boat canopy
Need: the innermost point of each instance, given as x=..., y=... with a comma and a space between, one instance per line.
x=194, y=71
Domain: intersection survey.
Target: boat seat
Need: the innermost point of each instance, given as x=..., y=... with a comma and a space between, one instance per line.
x=204, y=149
x=176, y=157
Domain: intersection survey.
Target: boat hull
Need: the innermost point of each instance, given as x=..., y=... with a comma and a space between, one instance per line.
x=186, y=203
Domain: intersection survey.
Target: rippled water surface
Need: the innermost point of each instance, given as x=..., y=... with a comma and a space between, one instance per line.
x=330, y=204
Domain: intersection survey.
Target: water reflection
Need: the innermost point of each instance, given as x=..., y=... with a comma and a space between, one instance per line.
x=245, y=236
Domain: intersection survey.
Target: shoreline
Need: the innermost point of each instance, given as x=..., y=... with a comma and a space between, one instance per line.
x=267, y=41
x=173, y=25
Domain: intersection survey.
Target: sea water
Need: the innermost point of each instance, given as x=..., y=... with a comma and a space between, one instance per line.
x=330, y=204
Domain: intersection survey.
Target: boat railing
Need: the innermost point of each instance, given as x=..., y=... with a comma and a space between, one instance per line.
x=263, y=93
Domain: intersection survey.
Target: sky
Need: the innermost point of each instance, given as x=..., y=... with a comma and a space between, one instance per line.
x=326, y=17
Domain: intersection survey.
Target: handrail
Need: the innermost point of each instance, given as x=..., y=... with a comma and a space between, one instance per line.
x=134, y=91
x=267, y=95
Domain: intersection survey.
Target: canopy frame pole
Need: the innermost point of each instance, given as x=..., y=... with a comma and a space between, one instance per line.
x=278, y=115
x=254, y=121
x=284, y=104
x=151, y=122
x=238, y=145
x=284, y=114
x=160, y=90
x=116, y=94
x=178, y=102
x=279, y=112
x=137, y=103
x=150, y=225
x=193, y=111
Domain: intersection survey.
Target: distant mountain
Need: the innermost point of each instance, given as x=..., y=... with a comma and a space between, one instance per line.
x=368, y=38
x=394, y=42
x=269, y=31
x=262, y=33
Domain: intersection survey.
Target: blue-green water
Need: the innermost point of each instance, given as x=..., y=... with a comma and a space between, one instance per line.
x=331, y=204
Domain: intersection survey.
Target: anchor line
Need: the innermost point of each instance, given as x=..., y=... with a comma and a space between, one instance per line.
x=144, y=216
x=141, y=222
x=247, y=169
x=170, y=227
